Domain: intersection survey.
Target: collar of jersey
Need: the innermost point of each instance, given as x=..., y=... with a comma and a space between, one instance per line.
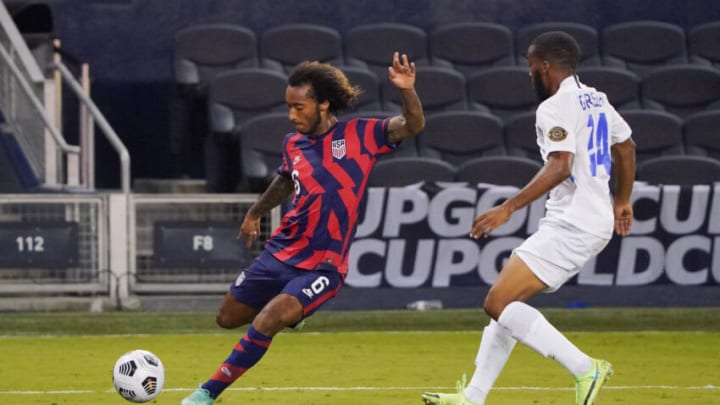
x=568, y=81
x=318, y=137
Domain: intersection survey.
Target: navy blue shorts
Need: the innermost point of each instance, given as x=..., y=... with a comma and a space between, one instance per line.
x=267, y=277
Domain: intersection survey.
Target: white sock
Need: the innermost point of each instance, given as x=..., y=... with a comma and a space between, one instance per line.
x=495, y=348
x=530, y=327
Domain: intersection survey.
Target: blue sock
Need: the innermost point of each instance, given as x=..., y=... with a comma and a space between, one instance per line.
x=248, y=351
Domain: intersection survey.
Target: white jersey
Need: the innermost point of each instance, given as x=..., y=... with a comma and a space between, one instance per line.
x=579, y=119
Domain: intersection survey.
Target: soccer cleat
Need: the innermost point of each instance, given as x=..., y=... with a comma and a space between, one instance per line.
x=588, y=385
x=200, y=396
x=457, y=398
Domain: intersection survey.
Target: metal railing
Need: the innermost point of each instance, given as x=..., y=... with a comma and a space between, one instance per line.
x=72, y=153
x=22, y=92
x=150, y=211
x=97, y=117
x=68, y=245
x=26, y=220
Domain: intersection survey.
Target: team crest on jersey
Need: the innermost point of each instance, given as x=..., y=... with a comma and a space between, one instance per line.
x=338, y=148
x=557, y=134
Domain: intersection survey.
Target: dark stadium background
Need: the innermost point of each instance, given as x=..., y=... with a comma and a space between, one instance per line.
x=128, y=44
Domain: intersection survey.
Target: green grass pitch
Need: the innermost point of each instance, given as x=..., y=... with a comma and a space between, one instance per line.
x=661, y=356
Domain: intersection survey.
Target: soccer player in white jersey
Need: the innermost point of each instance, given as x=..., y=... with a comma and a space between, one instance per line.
x=580, y=136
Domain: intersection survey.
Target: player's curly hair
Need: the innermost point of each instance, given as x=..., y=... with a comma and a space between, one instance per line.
x=558, y=47
x=327, y=83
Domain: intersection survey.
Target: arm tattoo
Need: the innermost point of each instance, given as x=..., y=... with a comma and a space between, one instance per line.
x=412, y=120
x=280, y=188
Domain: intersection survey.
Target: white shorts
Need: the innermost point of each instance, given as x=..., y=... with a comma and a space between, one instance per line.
x=556, y=252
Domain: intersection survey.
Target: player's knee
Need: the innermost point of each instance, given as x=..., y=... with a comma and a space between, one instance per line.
x=223, y=321
x=227, y=320
x=490, y=310
x=493, y=306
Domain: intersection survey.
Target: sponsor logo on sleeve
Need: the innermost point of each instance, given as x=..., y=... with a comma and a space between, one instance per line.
x=557, y=134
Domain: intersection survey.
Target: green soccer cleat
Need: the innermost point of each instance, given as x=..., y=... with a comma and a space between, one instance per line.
x=588, y=385
x=200, y=396
x=298, y=326
x=457, y=398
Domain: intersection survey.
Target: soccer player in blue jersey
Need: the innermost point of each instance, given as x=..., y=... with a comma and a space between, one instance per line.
x=326, y=165
x=581, y=136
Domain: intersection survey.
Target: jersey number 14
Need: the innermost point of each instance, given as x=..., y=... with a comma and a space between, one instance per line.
x=598, y=145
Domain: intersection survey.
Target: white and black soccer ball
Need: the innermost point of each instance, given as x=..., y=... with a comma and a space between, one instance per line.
x=138, y=376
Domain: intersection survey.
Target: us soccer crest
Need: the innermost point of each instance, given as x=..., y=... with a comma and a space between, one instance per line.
x=338, y=148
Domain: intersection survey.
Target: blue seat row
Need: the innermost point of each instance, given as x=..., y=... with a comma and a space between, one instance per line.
x=638, y=46
x=465, y=70
x=457, y=137
x=517, y=171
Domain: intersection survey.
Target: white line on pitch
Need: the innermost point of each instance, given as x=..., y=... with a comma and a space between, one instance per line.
x=311, y=333
x=619, y=388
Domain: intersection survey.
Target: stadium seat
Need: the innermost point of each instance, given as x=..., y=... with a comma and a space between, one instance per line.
x=243, y=93
x=704, y=44
x=520, y=136
x=642, y=46
x=504, y=91
x=586, y=36
x=200, y=52
x=288, y=45
x=621, y=86
x=680, y=170
x=235, y=97
x=457, y=136
x=261, y=148
x=405, y=171
x=682, y=89
x=439, y=88
x=369, y=99
x=702, y=134
x=374, y=45
x=656, y=133
x=499, y=170
x=472, y=46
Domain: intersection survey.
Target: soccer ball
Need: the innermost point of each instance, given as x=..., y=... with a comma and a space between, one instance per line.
x=138, y=376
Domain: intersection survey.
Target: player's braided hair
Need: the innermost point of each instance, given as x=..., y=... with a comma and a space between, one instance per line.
x=327, y=83
x=558, y=47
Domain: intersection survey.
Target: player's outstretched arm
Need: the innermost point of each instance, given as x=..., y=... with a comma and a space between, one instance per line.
x=555, y=171
x=280, y=188
x=624, y=157
x=412, y=120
